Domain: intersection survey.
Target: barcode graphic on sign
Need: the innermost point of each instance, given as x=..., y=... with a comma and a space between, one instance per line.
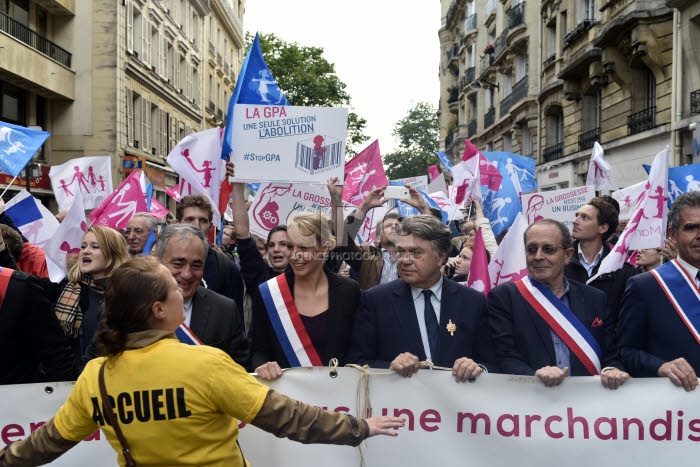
x=311, y=158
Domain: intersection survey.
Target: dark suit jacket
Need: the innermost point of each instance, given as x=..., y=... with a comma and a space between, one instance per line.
x=31, y=337
x=216, y=322
x=651, y=333
x=522, y=337
x=343, y=297
x=386, y=325
x=227, y=283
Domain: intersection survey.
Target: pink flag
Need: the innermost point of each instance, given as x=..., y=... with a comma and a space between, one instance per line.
x=647, y=228
x=434, y=172
x=599, y=171
x=117, y=209
x=508, y=264
x=174, y=192
x=364, y=172
x=157, y=209
x=479, y=269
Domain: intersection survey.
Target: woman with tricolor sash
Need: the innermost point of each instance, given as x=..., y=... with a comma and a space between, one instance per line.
x=306, y=314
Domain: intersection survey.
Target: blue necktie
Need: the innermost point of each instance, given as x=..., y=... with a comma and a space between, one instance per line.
x=431, y=324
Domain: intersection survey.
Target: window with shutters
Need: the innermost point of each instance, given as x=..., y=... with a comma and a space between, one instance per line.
x=146, y=126
x=507, y=142
x=130, y=26
x=194, y=28
x=507, y=83
x=138, y=33
x=146, y=40
x=163, y=137
x=170, y=62
x=129, y=98
x=138, y=121
x=156, y=49
x=182, y=74
x=172, y=133
x=155, y=130
x=520, y=67
x=526, y=136
x=188, y=92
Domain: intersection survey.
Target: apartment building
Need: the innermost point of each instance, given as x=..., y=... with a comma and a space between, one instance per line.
x=621, y=72
x=125, y=78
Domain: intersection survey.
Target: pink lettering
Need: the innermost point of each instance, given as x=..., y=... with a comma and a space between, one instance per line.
x=430, y=416
x=11, y=431
x=612, y=423
x=548, y=425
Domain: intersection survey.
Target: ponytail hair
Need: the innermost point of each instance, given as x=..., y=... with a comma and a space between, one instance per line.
x=131, y=292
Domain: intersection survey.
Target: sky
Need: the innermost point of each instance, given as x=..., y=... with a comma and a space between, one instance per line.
x=387, y=52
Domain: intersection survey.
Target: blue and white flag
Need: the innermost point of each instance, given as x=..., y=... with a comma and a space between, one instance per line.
x=407, y=210
x=520, y=168
x=681, y=180
x=36, y=222
x=502, y=206
x=255, y=85
x=445, y=160
x=17, y=146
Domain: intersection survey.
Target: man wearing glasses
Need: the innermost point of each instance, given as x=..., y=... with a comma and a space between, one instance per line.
x=550, y=327
x=137, y=231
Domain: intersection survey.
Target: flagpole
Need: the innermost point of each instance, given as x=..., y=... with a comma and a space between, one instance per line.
x=8, y=186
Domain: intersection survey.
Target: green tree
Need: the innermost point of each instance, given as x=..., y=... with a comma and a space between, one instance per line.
x=418, y=135
x=307, y=79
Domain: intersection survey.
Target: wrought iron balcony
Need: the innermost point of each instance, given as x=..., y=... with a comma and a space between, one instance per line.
x=520, y=89
x=516, y=17
x=579, y=29
x=553, y=153
x=506, y=104
x=450, y=138
x=587, y=139
x=500, y=44
x=486, y=62
x=695, y=102
x=471, y=128
x=469, y=75
x=470, y=23
x=489, y=117
x=220, y=114
x=211, y=107
x=641, y=121
x=549, y=60
x=37, y=42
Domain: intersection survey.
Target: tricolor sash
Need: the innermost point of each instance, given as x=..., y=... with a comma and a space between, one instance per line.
x=287, y=323
x=5, y=274
x=186, y=336
x=681, y=291
x=563, y=322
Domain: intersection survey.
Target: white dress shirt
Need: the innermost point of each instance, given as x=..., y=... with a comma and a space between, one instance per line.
x=419, y=304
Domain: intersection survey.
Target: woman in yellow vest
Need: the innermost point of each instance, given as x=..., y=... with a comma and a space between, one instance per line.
x=175, y=404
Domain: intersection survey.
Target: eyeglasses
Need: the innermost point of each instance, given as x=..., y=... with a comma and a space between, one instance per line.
x=136, y=231
x=546, y=249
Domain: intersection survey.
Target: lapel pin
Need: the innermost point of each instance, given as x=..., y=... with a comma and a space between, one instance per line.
x=451, y=328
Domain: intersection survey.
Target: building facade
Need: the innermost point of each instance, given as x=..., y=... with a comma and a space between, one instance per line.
x=127, y=78
x=556, y=76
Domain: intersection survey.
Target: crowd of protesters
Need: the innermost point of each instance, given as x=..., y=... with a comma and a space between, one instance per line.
x=309, y=294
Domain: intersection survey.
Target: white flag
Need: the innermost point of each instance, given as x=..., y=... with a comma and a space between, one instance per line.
x=444, y=202
x=647, y=227
x=628, y=199
x=599, y=171
x=67, y=238
x=509, y=264
x=197, y=159
x=89, y=177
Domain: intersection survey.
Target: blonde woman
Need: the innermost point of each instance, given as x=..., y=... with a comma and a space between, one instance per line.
x=305, y=316
x=79, y=308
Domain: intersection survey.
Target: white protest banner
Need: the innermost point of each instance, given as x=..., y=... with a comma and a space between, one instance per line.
x=420, y=183
x=288, y=144
x=276, y=203
x=91, y=177
x=560, y=205
x=499, y=420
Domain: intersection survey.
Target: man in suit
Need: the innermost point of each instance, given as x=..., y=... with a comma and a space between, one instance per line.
x=213, y=318
x=220, y=273
x=541, y=323
x=657, y=336
x=422, y=316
